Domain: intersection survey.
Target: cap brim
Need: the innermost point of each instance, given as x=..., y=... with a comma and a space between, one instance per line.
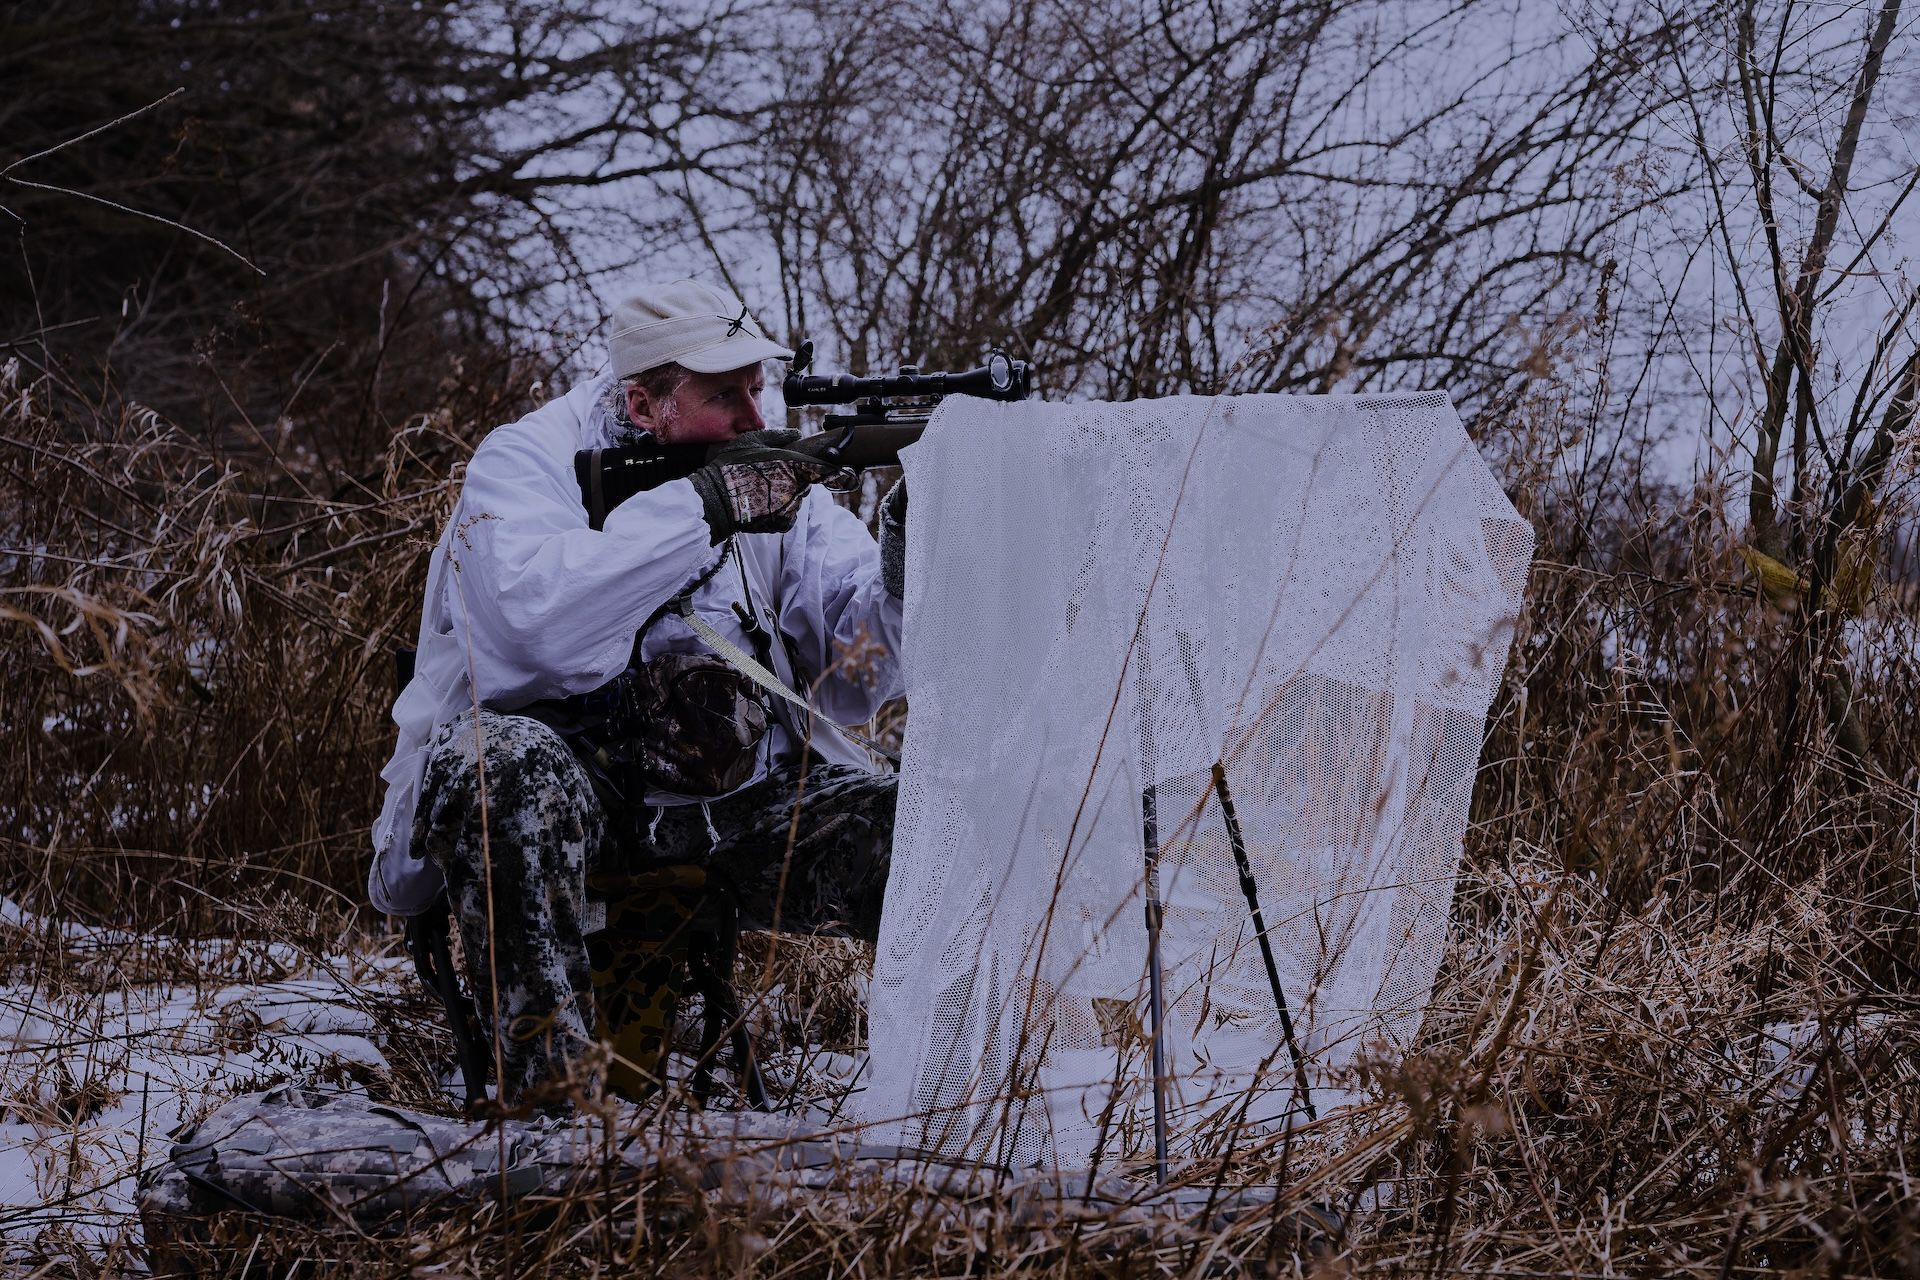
x=736, y=352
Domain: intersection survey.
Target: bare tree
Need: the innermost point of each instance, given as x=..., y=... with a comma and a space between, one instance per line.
x=1264, y=195
x=1795, y=120
x=305, y=207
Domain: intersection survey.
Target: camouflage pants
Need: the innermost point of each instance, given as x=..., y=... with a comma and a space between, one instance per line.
x=514, y=824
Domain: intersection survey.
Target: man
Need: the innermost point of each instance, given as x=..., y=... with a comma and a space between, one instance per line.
x=568, y=729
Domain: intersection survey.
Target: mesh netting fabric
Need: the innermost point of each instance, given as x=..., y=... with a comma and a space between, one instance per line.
x=1319, y=592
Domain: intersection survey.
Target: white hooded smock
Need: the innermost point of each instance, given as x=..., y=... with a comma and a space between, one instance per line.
x=525, y=602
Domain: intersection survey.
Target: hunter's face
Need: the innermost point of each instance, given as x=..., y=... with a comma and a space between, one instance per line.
x=707, y=408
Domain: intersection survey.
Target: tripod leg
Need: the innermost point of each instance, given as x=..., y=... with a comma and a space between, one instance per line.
x=1252, y=892
x=749, y=1065
x=710, y=965
x=429, y=941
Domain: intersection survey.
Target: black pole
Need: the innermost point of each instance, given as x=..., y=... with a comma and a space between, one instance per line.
x=1252, y=891
x=1150, y=827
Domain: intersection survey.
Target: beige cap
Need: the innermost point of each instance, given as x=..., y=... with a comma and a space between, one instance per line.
x=696, y=325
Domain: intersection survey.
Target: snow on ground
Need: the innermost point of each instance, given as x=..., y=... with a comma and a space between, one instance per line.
x=111, y=1042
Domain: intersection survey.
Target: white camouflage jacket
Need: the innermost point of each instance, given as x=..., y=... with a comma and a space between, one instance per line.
x=525, y=602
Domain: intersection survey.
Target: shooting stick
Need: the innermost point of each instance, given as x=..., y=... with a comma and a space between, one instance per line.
x=1252, y=891
x=1156, y=1008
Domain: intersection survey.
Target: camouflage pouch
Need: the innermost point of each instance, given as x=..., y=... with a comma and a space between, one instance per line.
x=700, y=724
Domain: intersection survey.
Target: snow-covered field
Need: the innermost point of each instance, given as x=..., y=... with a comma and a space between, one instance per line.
x=112, y=1041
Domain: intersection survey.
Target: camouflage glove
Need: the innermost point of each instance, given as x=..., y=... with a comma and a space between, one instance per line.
x=893, y=540
x=755, y=483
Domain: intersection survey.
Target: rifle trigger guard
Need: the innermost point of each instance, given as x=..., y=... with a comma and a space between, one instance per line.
x=833, y=451
x=843, y=480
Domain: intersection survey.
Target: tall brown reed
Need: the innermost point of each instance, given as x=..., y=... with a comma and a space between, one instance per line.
x=199, y=658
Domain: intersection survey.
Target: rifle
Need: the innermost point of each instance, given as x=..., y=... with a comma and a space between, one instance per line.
x=889, y=413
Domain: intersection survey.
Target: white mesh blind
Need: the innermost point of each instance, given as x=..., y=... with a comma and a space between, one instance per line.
x=1318, y=592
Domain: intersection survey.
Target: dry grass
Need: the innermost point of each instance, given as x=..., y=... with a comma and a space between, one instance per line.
x=1676, y=1031
x=199, y=654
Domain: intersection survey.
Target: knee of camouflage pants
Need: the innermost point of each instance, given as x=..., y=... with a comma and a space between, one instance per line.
x=806, y=851
x=510, y=817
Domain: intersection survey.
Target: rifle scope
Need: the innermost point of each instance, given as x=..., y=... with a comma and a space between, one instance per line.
x=1000, y=378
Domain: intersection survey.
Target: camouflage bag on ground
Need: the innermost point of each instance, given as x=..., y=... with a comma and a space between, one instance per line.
x=347, y=1164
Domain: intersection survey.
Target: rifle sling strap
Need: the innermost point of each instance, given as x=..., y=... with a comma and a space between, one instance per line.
x=744, y=663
